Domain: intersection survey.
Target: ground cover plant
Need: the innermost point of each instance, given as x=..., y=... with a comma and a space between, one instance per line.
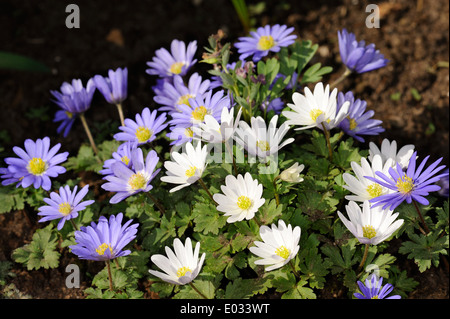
x=253, y=180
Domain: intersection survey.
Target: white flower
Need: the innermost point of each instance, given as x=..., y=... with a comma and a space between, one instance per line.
x=242, y=199
x=279, y=246
x=260, y=140
x=372, y=225
x=311, y=110
x=361, y=187
x=389, y=151
x=180, y=267
x=292, y=174
x=186, y=168
x=212, y=132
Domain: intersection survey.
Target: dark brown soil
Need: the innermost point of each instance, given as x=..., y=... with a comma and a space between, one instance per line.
x=414, y=36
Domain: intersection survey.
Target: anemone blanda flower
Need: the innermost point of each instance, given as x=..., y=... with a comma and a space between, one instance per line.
x=144, y=129
x=35, y=165
x=266, y=39
x=358, y=121
x=213, y=131
x=126, y=181
x=388, y=151
x=180, y=267
x=361, y=187
x=357, y=56
x=275, y=105
x=371, y=225
x=123, y=155
x=177, y=61
x=292, y=174
x=74, y=98
x=180, y=134
x=186, y=167
x=444, y=184
x=261, y=140
x=173, y=94
x=114, y=87
x=65, y=205
x=67, y=119
x=194, y=113
x=412, y=184
x=105, y=240
x=279, y=245
x=316, y=109
x=373, y=289
x=241, y=198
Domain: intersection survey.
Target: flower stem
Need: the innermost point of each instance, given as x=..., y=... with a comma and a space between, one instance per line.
x=230, y=151
x=119, y=109
x=109, y=275
x=427, y=230
x=157, y=203
x=366, y=251
x=202, y=183
x=293, y=269
x=327, y=137
x=344, y=75
x=88, y=132
x=74, y=225
x=277, y=197
x=198, y=291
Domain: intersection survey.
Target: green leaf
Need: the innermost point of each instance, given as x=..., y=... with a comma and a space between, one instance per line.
x=13, y=61
x=315, y=72
x=299, y=292
x=269, y=212
x=207, y=219
x=243, y=288
x=11, y=199
x=303, y=53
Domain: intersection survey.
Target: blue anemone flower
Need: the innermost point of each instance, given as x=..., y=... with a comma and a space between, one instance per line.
x=114, y=87
x=374, y=290
x=74, y=98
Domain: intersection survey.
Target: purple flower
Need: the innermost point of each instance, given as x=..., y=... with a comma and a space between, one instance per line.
x=411, y=185
x=374, y=290
x=35, y=165
x=180, y=134
x=444, y=191
x=122, y=155
x=144, y=129
x=64, y=205
x=105, y=240
x=74, y=98
x=113, y=87
x=172, y=95
x=358, y=122
x=357, y=56
x=67, y=119
x=265, y=39
x=177, y=61
x=126, y=181
x=275, y=105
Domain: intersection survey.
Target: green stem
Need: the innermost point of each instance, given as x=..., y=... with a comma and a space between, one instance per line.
x=157, y=203
x=327, y=137
x=119, y=109
x=277, y=197
x=344, y=75
x=198, y=291
x=366, y=251
x=202, y=183
x=293, y=269
x=230, y=151
x=88, y=132
x=427, y=230
x=109, y=275
x=74, y=225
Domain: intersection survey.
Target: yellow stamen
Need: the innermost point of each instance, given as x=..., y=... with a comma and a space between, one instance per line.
x=125, y=160
x=182, y=271
x=352, y=123
x=405, y=184
x=189, y=132
x=369, y=232
x=65, y=208
x=185, y=99
x=137, y=181
x=143, y=134
x=375, y=297
x=374, y=190
x=315, y=113
x=283, y=252
x=102, y=248
x=191, y=171
x=176, y=67
x=36, y=166
x=263, y=145
x=244, y=202
x=199, y=113
x=266, y=42
x=69, y=115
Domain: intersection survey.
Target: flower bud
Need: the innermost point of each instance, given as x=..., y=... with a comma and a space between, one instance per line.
x=292, y=174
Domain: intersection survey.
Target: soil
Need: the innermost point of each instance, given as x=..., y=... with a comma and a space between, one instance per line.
x=413, y=35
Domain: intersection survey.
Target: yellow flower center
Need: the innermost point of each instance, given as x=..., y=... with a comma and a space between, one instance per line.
x=315, y=113
x=244, y=202
x=36, y=166
x=352, y=123
x=125, y=160
x=263, y=145
x=69, y=115
x=405, y=184
x=102, y=248
x=369, y=232
x=143, y=134
x=137, y=181
x=189, y=132
x=266, y=42
x=191, y=171
x=65, y=208
x=176, y=67
x=185, y=99
x=375, y=297
x=199, y=113
x=283, y=252
x=182, y=271
x=374, y=190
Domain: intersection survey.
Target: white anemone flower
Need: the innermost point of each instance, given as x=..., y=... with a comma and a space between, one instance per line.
x=212, y=132
x=361, y=187
x=241, y=198
x=371, y=225
x=389, y=151
x=279, y=246
x=292, y=174
x=316, y=109
x=186, y=167
x=181, y=267
x=261, y=140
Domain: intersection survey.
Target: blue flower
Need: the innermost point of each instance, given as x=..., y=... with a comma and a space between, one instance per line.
x=67, y=119
x=266, y=39
x=127, y=181
x=105, y=240
x=411, y=185
x=114, y=87
x=373, y=289
x=358, y=121
x=64, y=205
x=122, y=155
x=74, y=98
x=35, y=165
x=357, y=56
x=444, y=183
